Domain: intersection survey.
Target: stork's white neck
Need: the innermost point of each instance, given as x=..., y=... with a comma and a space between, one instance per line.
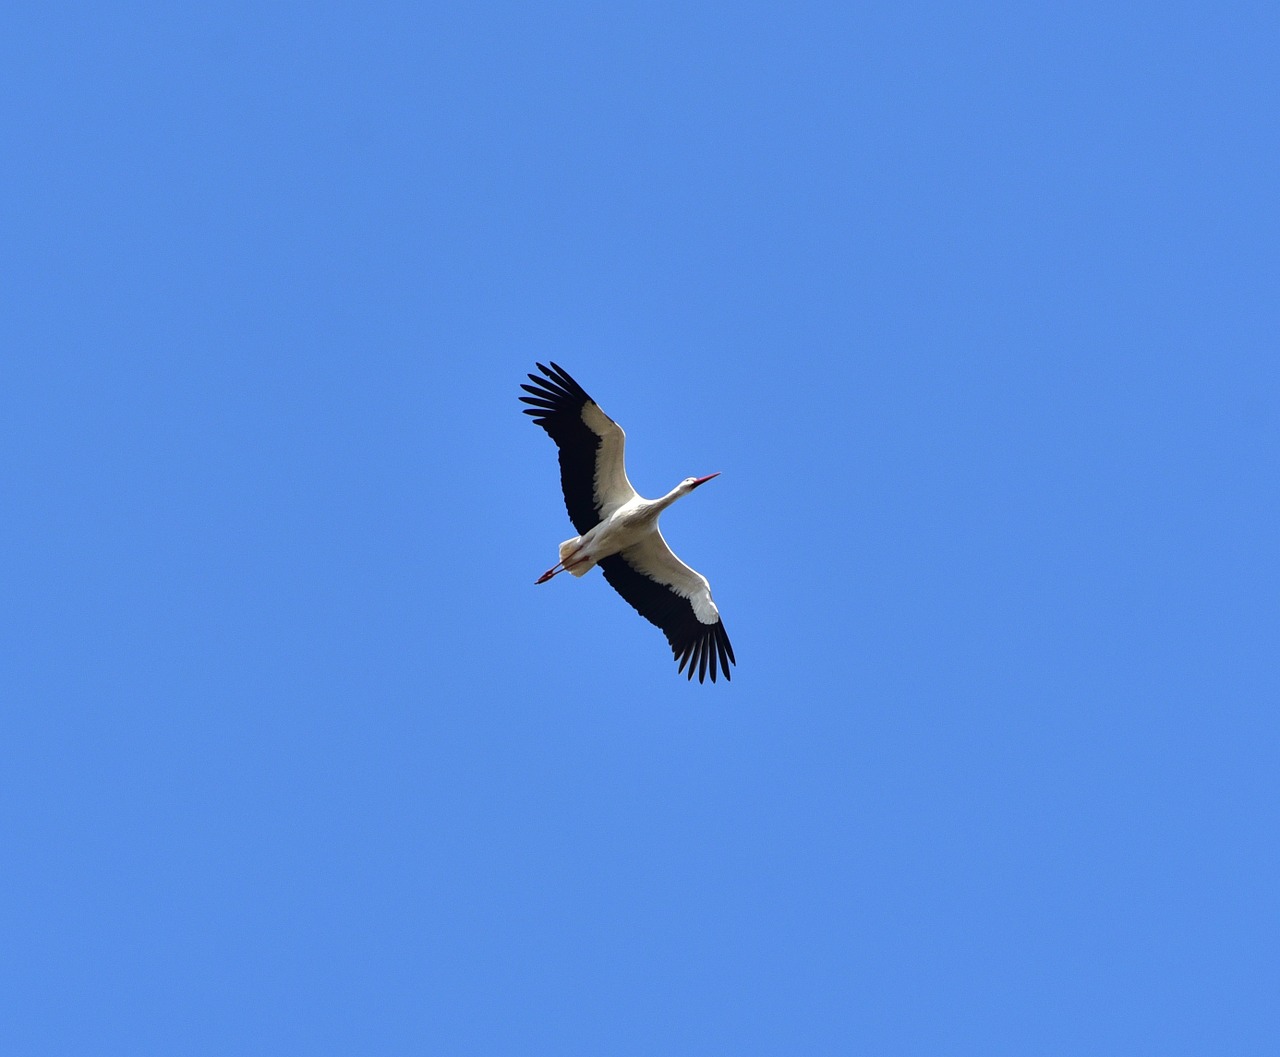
x=682, y=489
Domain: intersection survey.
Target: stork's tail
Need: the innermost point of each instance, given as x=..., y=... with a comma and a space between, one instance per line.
x=567, y=549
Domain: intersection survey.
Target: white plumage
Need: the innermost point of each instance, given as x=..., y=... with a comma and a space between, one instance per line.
x=618, y=528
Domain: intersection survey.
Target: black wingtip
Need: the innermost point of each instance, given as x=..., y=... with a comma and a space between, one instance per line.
x=724, y=638
x=569, y=382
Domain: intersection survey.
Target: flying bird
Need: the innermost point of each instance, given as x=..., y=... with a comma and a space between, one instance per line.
x=618, y=528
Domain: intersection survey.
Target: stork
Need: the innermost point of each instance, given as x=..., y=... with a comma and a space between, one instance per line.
x=618, y=528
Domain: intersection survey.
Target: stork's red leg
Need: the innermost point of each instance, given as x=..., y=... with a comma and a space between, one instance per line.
x=553, y=571
x=564, y=565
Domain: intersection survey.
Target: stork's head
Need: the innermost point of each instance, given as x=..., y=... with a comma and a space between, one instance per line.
x=691, y=483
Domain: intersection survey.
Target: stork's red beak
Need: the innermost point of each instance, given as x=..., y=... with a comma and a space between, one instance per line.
x=704, y=480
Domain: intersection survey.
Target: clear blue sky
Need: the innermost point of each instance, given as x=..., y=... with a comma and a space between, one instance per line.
x=976, y=307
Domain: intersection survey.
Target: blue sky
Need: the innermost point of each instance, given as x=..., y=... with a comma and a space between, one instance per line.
x=973, y=306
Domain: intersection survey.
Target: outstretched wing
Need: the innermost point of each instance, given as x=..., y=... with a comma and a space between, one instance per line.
x=592, y=472
x=666, y=592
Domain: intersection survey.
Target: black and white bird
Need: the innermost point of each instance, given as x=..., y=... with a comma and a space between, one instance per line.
x=618, y=529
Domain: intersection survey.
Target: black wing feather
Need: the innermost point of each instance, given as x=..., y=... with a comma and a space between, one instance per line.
x=557, y=407
x=692, y=642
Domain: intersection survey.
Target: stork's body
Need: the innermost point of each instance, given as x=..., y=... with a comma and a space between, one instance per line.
x=619, y=528
x=628, y=526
